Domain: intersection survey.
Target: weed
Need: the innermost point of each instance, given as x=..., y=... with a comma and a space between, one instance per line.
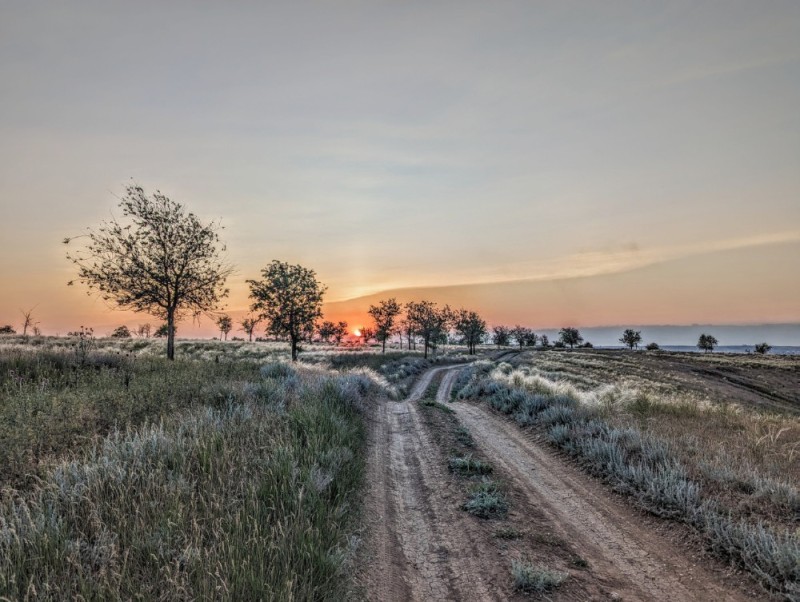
x=467, y=465
x=535, y=578
x=487, y=501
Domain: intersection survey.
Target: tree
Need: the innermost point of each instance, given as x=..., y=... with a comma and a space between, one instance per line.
x=631, y=338
x=249, y=325
x=27, y=321
x=763, y=348
x=289, y=299
x=384, y=315
x=545, y=341
x=367, y=334
x=143, y=331
x=427, y=321
x=471, y=327
x=163, y=261
x=339, y=332
x=326, y=330
x=570, y=336
x=121, y=332
x=706, y=342
x=501, y=336
x=7, y=329
x=521, y=335
x=225, y=325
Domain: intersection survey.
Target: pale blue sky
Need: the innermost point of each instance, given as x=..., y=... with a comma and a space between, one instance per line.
x=392, y=144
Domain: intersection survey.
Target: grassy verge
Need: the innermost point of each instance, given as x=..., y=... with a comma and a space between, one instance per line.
x=200, y=481
x=640, y=465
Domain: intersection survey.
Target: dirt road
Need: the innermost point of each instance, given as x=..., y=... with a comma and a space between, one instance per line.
x=424, y=548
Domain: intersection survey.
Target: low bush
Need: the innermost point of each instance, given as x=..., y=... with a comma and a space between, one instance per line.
x=535, y=578
x=487, y=501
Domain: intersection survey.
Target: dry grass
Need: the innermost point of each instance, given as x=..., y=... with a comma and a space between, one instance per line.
x=137, y=478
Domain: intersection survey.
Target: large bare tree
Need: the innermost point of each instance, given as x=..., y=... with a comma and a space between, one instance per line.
x=289, y=299
x=159, y=259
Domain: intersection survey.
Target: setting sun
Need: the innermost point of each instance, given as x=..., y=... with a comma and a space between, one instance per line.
x=356, y=332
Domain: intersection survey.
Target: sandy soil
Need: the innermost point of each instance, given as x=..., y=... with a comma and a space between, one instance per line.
x=423, y=547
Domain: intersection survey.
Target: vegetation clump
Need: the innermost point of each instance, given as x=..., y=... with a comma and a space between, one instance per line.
x=467, y=465
x=487, y=501
x=535, y=578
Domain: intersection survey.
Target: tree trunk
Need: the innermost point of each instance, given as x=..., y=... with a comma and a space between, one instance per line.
x=294, y=349
x=384, y=345
x=426, y=348
x=171, y=334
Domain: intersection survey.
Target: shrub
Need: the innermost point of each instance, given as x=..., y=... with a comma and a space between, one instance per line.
x=535, y=578
x=652, y=347
x=763, y=348
x=487, y=501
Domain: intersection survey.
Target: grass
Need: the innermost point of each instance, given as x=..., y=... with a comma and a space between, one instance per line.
x=654, y=470
x=535, y=578
x=486, y=501
x=468, y=466
x=136, y=478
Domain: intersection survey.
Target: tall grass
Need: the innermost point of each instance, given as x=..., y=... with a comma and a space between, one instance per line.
x=243, y=488
x=639, y=465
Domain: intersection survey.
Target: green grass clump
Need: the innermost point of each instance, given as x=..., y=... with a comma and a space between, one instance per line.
x=487, y=501
x=535, y=578
x=467, y=465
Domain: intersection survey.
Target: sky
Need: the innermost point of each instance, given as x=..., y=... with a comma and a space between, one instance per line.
x=541, y=162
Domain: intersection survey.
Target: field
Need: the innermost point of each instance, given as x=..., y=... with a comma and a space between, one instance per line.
x=232, y=474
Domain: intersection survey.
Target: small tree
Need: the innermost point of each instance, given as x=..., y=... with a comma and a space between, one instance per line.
x=384, y=315
x=652, y=347
x=27, y=321
x=471, y=327
x=249, y=325
x=501, y=336
x=763, y=348
x=121, y=332
x=7, y=329
x=143, y=331
x=631, y=338
x=545, y=341
x=706, y=342
x=367, y=334
x=225, y=325
x=570, y=336
x=164, y=261
x=289, y=299
x=427, y=321
x=339, y=332
x=326, y=330
x=521, y=335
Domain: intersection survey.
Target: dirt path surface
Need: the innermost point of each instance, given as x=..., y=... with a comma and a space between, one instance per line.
x=623, y=554
x=423, y=547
